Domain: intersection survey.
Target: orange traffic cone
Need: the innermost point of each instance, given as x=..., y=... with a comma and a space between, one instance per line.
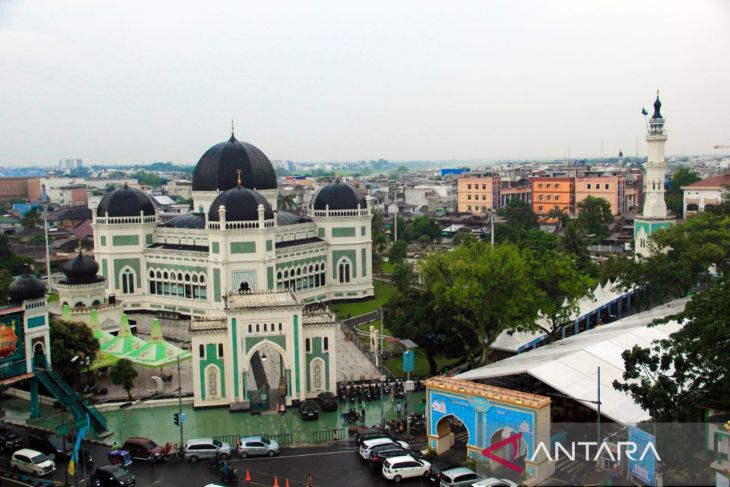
x=248, y=476
x=287, y=483
x=276, y=481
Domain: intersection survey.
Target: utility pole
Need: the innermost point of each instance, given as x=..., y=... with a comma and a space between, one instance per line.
x=179, y=404
x=492, y=218
x=44, y=199
x=598, y=408
x=380, y=363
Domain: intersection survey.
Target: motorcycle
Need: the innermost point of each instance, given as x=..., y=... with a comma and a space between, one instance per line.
x=231, y=477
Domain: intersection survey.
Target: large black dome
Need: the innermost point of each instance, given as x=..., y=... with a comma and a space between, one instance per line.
x=82, y=269
x=27, y=286
x=125, y=201
x=338, y=196
x=242, y=204
x=216, y=170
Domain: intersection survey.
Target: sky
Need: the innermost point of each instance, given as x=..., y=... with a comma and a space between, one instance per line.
x=139, y=81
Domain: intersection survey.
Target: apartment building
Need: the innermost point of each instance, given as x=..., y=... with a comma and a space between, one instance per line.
x=611, y=187
x=549, y=192
x=478, y=193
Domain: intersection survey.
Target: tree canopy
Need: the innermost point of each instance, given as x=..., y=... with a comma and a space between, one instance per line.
x=519, y=215
x=398, y=252
x=420, y=226
x=69, y=339
x=674, y=195
x=594, y=218
x=123, y=374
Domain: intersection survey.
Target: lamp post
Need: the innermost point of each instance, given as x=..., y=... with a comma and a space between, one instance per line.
x=492, y=219
x=73, y=360
x=380, y=364
x=44, y=200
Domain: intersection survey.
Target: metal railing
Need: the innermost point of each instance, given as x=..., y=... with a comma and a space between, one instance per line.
x=329, y=435
x=233, y=440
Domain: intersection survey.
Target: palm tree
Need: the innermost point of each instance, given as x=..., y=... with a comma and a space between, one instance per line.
x=575, y=241
x=285, y=201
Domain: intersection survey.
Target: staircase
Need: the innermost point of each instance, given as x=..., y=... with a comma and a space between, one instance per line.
x=79, y=406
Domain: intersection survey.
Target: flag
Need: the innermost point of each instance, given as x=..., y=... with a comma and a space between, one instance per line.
x=644, y=112
x=71, y=467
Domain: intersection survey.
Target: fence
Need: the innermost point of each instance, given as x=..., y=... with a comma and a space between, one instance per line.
x=328, y=435
x=281, y=438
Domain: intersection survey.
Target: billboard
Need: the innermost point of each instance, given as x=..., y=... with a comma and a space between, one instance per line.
x=9, y=331
x=644, y=467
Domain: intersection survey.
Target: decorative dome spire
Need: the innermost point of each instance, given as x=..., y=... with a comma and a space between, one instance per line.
x=81, y=269
x=25, y=287
x=657, y=107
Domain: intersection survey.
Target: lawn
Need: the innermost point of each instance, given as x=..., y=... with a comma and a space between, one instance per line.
x=384, y=292
x=420, y=365
x=388, y=267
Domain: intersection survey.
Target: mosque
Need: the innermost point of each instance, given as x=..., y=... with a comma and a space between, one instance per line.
x=244, y=272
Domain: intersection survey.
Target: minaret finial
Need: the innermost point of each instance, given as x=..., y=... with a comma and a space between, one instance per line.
x=125, y=182
x=233, y=129
x=238, y=181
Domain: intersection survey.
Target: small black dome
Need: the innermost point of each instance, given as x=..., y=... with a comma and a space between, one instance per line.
x=188, y=220
x=339, y=196
x=27, y=286
x=242, y=204
x=82, y=269
x=216, y=170
x=657, y=108
x=125, y=201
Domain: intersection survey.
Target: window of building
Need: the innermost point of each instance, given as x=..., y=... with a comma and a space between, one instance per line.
x=250, y=329
x=539, y=208
x=539, y=197
x=557, y=185
x=557, y=197
x=589, y=185
x=257, y=327
x=280, y=326
x=539, y=185
x=127, y=278
x=344, y=269
x=468, y=197
x=606, y=186
x=326, y=344
x=484, y=186
x=468, y=186
x=547, y=186
x=484, y=197
x=468, y=208
x=220, y=350
x=201, y=350
x=307, y=345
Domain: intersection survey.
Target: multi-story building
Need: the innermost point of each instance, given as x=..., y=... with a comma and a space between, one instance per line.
x=549, y=192
x=24, y=188
x=180, y=187
x=609, y=186
x=704, y=194
x=478, y=193
x=514, y=190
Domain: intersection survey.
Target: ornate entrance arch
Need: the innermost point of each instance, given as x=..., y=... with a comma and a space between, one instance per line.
x=286, y=368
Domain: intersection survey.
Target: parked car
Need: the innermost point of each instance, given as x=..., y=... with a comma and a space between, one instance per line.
x=32, y=462
x=399, y=468
x=112, y=476
x=367, y=445
x=49, y=443
x=9, y=440
x=459, y=477
x=257, y=445
x=494, y=482
x=328, y=401
x=373, y=434
x=434, y=475
x=143, y=449
x=206, y=448
x=379, y=454
x=309, y=409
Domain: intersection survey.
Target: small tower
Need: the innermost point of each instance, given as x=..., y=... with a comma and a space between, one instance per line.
x=654, y=215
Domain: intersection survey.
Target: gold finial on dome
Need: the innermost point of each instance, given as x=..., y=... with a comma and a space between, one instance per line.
x=238, y=181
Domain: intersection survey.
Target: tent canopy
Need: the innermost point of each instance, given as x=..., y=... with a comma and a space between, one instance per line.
x=157, y=352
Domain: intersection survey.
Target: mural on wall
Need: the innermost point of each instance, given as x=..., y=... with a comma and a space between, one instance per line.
x=9, y=332
x=486, y=421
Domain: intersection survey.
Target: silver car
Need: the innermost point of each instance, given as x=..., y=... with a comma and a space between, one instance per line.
x=257, y=445
x=206, y=448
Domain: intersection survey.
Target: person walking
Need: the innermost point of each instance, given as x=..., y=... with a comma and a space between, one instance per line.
x=310, y=480
x=398, y=409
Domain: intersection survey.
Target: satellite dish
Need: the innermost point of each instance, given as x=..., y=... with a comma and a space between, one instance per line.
x=156, y=384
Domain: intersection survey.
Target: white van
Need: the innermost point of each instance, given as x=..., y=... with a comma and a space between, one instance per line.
x=368, y=444
x=399, y=468
x=32, y=462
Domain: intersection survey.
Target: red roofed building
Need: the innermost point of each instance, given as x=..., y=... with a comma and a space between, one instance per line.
x=704, y=194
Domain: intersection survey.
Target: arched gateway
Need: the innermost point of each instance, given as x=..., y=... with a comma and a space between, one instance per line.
x=504, y=426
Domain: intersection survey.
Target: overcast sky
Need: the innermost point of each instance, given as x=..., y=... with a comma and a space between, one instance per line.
x=141, y=81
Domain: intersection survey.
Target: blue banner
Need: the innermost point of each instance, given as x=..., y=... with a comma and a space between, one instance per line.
x=642, y=466
x=408, y=361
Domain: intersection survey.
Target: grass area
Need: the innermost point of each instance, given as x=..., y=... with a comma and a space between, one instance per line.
x=53, y=297
x=388, y=267
x=420, y=365
x=365, y=327
x=384, y=292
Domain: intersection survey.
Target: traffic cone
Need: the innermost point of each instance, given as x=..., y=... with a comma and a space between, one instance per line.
x=276, y=481
x=248, y=476
x=287, y=483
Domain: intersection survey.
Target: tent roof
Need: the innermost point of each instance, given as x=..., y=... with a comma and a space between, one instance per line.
x=123, y=343
x=569, y=365
x=157, y=352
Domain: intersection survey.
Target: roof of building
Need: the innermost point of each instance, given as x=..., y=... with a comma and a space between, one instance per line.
x=569, y=365
x=26, y=286
x=125, y=201
x=242, y=204
x=712, y=182
x=82, y=269
x=187, y=220
x=216, y=169
x=287, y=218
x=83, y=229
x=164, y=200
x=301, y=241
x=261, y=299
x=338, y=196
x=171, y=246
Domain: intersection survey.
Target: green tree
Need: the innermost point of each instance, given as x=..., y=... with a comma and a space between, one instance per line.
x=285, y=201
x=403, y=276
x=70, y=339
x=32, y=219
x=8, y=260
x=519, y=215
x=594, y=217
x=559, y=216
x=123, y=374
x=378, y=235
x=490, y=289
x=575, y=241
x=421, y=225
x=464, y=239
x=558, y=278
x=674, y=196
x=417, y=316
x=149, y=179
x=398, y=252
x=673, y=377
x=6, y=279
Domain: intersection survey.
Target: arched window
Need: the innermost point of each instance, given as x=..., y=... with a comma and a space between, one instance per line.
x=257, y=327
x=344, y=271
x=179, y=276
x=265, y=327
x=325, y=344
x=307, y=345
x=250, y=328
x=311, y=267
x=159, y=275
x=202, y=279
x=279, y=326
x=299, y=271
x=165, y=276
x=187, y=277
x=195, y=278
x=152, y=274
x=201, y=350
x=278, y=275
x=127, y=278
x=220, y=350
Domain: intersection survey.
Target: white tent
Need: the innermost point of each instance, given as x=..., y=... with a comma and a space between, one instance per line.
x=569, y=365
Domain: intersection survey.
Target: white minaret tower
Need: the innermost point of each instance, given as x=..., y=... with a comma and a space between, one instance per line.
x=654, y=215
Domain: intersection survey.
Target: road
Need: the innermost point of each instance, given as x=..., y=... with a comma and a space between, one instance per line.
x=331, y=466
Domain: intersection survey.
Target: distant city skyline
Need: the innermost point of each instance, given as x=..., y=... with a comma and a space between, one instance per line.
x=139, y=82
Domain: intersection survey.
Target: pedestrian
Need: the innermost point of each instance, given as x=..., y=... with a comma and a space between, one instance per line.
x=310, y=480
x=405, y=408
x=362, y=417
x=398, y=409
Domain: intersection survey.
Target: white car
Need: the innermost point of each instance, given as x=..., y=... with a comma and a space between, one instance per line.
x=399, y=468
x=369, y=444
x=32, y=462
x=494, y=482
